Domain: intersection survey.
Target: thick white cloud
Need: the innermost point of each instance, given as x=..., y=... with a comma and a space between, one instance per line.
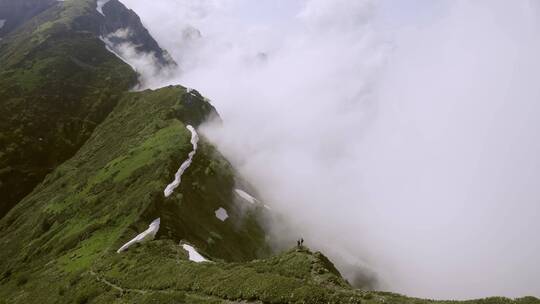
x=402, y=140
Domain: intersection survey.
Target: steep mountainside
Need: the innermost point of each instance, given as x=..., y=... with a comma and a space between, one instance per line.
x=57, y=82
x=120, y=20
x=112, y=196
x=114, y=187
x=15, y=13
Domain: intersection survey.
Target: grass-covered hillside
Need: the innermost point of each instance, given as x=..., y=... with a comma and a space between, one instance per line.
x=113, y=188
x=15, y=13
x=57, y=82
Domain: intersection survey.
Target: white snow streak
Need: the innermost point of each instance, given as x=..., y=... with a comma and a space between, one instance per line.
x=145, y=236
x=245, y=196
x=178, y=176
x=100, y=4
x=193, y=254
x=222, y=214
x=109, y=47
x=2, y=22
x=250, y=199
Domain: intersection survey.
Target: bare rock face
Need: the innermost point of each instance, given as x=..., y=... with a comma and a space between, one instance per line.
x=123, y=25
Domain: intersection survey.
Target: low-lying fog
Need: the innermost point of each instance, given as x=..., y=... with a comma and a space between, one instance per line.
x=402, y=137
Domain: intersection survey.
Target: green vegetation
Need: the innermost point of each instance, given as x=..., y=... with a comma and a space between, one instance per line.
x=113, y=188
x=57, y=83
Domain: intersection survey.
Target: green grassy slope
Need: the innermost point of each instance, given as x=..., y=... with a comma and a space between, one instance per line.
x=57, y=82
x=17, y=12
x=113, y=188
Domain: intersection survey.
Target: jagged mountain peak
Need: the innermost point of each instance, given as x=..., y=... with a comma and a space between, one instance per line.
x=123, y=25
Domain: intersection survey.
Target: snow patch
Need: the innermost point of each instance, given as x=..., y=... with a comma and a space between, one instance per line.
x=2, y=22
x=193, y=254
x=222, y=214
x=100, y=4
x=110, y=48
x=250, y=199
x=145, y=236
x=178, y=176
x=245, y=196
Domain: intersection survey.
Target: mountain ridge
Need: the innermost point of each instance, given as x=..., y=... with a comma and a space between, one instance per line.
x=55, y=66
x=60, y=240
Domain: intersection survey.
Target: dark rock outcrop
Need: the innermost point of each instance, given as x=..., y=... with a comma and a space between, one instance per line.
x=122, y=25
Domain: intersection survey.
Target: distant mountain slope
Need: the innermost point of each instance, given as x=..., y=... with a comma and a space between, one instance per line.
x=57, y=82
x=119, y=18
x=14, y=13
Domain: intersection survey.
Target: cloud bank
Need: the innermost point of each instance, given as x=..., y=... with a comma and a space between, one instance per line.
x=399, y=139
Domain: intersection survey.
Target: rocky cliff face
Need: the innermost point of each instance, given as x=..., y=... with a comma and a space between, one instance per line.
x=122, y=25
